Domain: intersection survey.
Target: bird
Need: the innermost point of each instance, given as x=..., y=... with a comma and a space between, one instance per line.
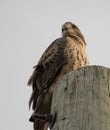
x=63, y=55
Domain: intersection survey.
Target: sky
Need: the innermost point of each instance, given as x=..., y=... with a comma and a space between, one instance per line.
x=27, y=27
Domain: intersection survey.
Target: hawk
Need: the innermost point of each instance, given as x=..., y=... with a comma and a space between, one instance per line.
x=63, y=55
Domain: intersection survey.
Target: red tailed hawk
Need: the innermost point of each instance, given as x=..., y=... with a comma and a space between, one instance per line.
x=63, y=55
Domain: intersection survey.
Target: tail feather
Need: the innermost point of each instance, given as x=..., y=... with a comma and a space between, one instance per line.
x=33, y=99
x=38, y=69
x=32, y=78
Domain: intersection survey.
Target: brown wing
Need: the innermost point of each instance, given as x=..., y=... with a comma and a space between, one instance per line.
x=45, y=72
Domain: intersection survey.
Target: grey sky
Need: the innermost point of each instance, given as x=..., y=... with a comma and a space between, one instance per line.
x=27, y=27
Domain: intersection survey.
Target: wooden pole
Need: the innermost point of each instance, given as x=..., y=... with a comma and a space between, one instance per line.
x=82, y=100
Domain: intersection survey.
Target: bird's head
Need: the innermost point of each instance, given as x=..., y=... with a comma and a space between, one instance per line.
x=71, y=29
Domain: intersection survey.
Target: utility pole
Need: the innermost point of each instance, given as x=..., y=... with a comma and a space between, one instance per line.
x=81, y=100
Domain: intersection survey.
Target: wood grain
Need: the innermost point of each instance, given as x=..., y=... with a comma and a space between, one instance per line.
x=82, y=99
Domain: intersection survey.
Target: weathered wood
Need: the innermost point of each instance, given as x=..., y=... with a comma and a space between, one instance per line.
x=82, y=100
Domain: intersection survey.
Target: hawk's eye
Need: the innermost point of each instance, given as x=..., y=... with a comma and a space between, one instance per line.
x=62, y=29
x=74, y=27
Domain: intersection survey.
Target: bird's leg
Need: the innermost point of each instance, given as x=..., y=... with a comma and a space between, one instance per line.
x=49, y=118
x=40, y=117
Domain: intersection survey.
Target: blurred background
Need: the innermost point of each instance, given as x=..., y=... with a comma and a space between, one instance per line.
x=27, y=27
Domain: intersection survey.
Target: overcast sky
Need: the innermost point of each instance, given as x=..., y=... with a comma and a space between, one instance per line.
x=27, y=27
